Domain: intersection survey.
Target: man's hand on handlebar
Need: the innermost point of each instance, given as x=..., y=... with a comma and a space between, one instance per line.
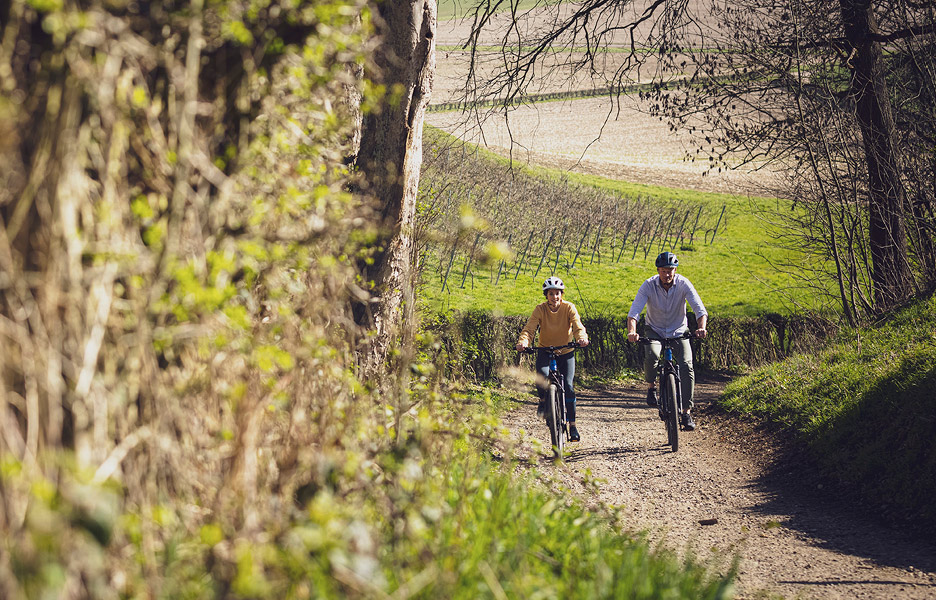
x=701, y=333
x=632, y=336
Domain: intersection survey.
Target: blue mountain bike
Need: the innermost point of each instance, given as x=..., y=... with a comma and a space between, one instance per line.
x=670, y=399
x=555, y=398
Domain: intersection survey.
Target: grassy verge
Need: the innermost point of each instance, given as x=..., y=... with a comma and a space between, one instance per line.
x=863, y=410
x=441, y=511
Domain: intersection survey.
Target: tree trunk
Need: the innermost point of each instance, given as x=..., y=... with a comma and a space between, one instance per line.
x=890, y=272
x=390, y=157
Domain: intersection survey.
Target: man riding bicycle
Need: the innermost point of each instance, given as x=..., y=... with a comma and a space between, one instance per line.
x=558, y=321
x=665, y=295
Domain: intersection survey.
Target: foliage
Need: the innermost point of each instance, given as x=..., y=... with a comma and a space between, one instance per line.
x=176, y=222
x=862, y=408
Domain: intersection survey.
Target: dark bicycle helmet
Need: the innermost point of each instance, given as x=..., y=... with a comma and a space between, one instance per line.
x=553, y=283
x=666, y=260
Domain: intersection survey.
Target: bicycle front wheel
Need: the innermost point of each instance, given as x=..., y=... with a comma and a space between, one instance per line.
x=555, y=421
x=672, y=416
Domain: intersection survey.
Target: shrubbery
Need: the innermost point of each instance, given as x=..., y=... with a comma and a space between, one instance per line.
x=479, y=345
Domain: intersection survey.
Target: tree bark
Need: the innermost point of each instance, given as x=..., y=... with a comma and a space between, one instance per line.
x=890, y=272
x=390, y=157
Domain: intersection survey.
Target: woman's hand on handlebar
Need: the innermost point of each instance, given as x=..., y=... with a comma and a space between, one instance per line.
x=520, y=347
x=581, y=343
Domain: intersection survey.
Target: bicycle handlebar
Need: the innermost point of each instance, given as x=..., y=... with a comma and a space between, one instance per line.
x=532, y=349
x=686, y=335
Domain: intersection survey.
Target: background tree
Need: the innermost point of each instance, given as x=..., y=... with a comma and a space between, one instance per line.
x=810, y=87
x=390, y=158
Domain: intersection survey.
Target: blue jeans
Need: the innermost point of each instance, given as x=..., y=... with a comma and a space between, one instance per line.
x=565, y=364
x=682, y=356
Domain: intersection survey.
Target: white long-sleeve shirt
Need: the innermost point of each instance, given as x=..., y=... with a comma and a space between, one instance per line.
x=666, y=309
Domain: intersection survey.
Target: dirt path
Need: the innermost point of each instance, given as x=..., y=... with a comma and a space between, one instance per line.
x=793, y=539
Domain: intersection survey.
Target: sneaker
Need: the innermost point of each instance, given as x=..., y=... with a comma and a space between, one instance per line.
x=573, y=434
x=541, y=409
x=687, y=422
x=651, y=397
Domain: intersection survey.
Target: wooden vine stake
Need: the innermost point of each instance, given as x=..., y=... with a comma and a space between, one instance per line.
x=502, y=262
x=523, y=256
x=581, y=241
x=695, y=225
x=714, y=231
x=468, y=262
x=545, y=250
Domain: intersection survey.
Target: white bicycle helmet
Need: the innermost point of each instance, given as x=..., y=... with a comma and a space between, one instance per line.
x=553, y=283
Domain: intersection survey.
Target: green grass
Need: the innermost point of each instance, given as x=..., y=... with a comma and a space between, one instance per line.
x=863, y=409
x=454, y=9
x=733, y=274
x=495, y=535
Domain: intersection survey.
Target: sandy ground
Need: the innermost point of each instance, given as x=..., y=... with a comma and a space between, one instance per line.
x=616, y=138
x=600, y=137
x=793, y=538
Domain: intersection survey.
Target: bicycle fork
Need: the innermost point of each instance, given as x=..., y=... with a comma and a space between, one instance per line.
x=668, y=362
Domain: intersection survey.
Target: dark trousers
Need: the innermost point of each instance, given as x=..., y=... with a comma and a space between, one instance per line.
x=565, y=364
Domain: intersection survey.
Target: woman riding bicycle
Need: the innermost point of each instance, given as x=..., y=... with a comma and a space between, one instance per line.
x=559, y=323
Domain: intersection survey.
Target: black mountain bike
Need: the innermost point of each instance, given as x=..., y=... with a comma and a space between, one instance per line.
x=670, y=397
x=555, y=398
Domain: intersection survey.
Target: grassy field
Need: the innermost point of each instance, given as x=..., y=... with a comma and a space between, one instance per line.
x=733, y=273
x=862, y=408
x=451, y=9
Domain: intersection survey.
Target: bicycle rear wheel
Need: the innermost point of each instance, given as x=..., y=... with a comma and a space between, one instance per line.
x=672, y=418
x=555, y=421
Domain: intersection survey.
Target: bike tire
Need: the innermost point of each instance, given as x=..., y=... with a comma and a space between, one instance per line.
x=672, y=417
x=555, y=421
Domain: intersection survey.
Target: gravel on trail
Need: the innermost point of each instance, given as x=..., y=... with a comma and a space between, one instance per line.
x=728, y=489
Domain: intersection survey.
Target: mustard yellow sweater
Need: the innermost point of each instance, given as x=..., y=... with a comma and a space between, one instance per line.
x=555, y=328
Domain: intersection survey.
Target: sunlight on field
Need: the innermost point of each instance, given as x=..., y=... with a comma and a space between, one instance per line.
x=597, y=136
x=449, y=9
x=735, y=273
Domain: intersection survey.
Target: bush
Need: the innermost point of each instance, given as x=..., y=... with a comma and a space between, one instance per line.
x=479, y=345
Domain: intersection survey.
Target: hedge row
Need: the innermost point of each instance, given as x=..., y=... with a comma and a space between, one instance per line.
x=479, y=345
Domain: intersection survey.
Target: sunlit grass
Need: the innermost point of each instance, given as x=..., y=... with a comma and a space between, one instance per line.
x=862, y=407
x=733, y=273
